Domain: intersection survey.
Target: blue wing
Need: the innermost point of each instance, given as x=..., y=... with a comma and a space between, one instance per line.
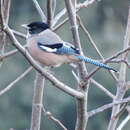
x=59, y=48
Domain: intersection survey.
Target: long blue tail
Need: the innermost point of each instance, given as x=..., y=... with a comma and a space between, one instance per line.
x=95, y=62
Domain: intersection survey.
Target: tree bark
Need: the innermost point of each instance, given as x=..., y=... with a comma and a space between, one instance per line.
x=37, y=102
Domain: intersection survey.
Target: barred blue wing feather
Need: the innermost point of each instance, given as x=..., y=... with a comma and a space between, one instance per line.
x=67, y=49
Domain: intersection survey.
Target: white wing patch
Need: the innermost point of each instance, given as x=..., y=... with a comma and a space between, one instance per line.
x=48, y=49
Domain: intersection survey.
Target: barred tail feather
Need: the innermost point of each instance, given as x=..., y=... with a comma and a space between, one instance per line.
x=95, y=62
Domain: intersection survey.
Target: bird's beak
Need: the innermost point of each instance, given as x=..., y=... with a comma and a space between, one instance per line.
x=25, y=26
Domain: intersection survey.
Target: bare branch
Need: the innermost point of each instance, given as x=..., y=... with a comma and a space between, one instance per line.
x=19, y=34
x=54, y=8
x=63, y=11
x=51, y=117
x=58, y=16
x=89, y=37
x=103, y=88
x=61, y=24
x=41, y=13
x=122, y=110
x=4, y=16
x=76, y=77
x=37, y=102
x=6, y=89
x=118, y=54
x=107, y=106
x=82, y=119
x=74, y=28
x=2, y=13
x=123, y=123
x=2, y=57
x=121, y=86
x=119, y=61
x=85, y=4
x=49, y=12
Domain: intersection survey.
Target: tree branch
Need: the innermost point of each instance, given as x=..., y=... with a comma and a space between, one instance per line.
x=6, y=89
x=51, y=117
x=89, y=37
x=86, y=3
x=41, y=13
x=49, y=12
x=121, y=60
x=4, y=16
x=81, y=122
x=103, y=88
x=121, y=85
x=10, y=53
x=78, y=7
x=58, y=16
x=19, y=34
x=107, y=106
x=37, y=102
x=123, y=123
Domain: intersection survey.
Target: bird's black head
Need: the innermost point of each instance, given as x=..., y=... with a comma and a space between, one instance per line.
x=37, y=27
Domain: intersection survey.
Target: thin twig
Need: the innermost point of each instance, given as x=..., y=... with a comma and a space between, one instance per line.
x=102, y=88
x=76, y=77
x=6, y=89
x=19, y=34
x=89, y=37
x=123, y=123
x=40, y=11
x=85, y=4
x=2, y=13
x=63, y=11
x=51, y=117
x=8, y=54
x=49, y=12
x=54, y=8
x=107, y=106
x=61, y=24
x=119, y=61
x=2, y=57
x=4, y=16
x=121, y=111
x=118, y=54
x=58, y=16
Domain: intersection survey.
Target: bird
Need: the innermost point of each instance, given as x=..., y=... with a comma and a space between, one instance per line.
x=47, y=47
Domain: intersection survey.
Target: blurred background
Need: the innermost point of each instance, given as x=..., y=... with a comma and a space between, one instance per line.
x=106, y=22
